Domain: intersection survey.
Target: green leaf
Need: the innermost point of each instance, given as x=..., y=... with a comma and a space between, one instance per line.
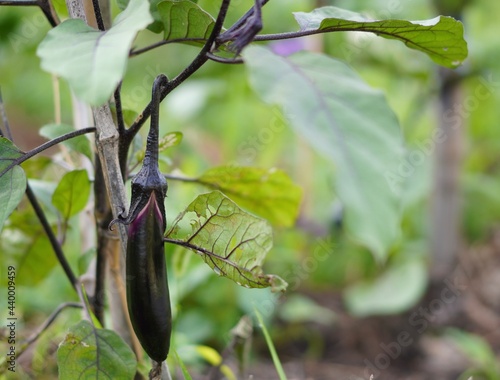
x=441, y=38
x=268, y=193
x=475, y=347
x=79, y=144
x=12, y=183
x=169, y=140
x=44, y=191
x=35, y=260
x=157, y=25
x=184, y=19
x=92, y=61
x=72, y=193
x=90, y=353
x=396, y=290
x=301, y=309
x=232, y=242
x=350, y=124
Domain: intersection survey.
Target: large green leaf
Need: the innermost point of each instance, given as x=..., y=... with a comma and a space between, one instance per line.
x=232, y=242
x=79, y=144
x=184, y=19
x=92, y=61
x=35, y=258
x=441, y=38
x=349, y=123
x=72, y=193
x=91, y=353
x=156, y=26
x=268, y=193
x=12, y=183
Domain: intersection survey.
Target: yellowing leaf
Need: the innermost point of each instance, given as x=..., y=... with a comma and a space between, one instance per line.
x=268, y=193
x=441, y=38
x=232, y=242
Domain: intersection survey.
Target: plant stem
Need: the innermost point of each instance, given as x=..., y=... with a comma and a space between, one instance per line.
x=51, y=236
x=134, y=53
x=230, y=61
x=45, y=146
x=50, y=320
x=119, y=110
x=98, y=15
x=4, y=119
x=270, y=345
x=18, y=2
x=182, y=179
x=286, y=35
x=199, y=61
x=151, y=156
x=49, y=12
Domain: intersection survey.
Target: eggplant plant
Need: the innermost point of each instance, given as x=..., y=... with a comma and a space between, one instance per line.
x=324, y=101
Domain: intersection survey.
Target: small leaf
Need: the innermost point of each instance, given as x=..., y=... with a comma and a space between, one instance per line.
x=169, y=140
x=12, y=183
x=72, y=193
x=396, y=290
x=92, y=61
x=232, y=242
x=90, y=353
x=79, y=144
x=475, y=347
x=268, y=193
x=301, y=309
x=184, y=19
x=349, y=123
x=441, y=38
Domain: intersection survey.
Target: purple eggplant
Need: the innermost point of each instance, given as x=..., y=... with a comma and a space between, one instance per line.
x=148, y=297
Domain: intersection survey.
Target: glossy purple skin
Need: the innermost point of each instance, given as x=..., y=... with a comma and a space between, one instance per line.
x=147, y=287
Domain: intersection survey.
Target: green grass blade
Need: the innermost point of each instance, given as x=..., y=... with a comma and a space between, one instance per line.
x=184, y=370
x=270, y=345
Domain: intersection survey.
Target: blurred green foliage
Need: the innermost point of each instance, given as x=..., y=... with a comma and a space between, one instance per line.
x=222, y=122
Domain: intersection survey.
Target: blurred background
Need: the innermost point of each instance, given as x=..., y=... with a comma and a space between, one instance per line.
x=430, y=312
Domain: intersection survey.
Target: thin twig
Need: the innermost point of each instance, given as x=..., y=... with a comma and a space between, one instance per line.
x=119, y=110
x=51, y=236
x=183, y=179
x=133, y=53
x=199, y=61
x=45, y=146
x=289, y=35
x=98, y=15
x=230, y=61
x=4, y=119
x=18, y=2
x=49, y=12
x=50, y=320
